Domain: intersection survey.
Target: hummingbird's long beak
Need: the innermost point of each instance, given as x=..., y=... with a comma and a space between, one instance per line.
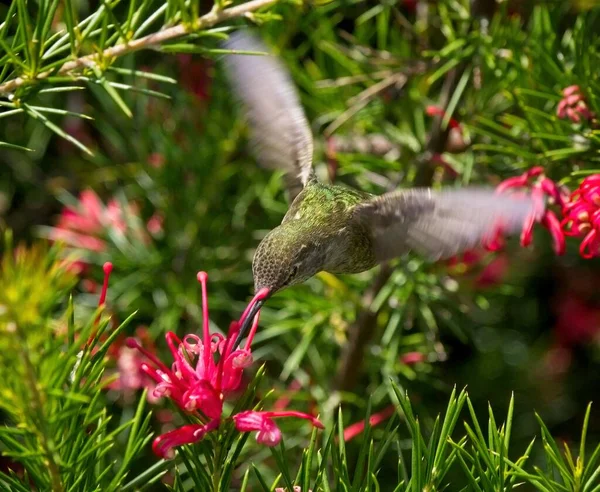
x=247, y=322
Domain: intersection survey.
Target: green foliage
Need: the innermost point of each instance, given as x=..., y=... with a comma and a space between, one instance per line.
x=46, y=47
x=59, y=433
x=486, y=462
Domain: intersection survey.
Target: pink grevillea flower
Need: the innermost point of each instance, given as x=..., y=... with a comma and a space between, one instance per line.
x=437, y=111
x=357, y=428
x=128, y=367
x=156, y=160
x=541, y=187
x=163, y=445
x=196, y=76
x=267, y=432
x=411, y=358
x=86, y=225
x=155, y=224
x=573, y=105
x=582, y=216
x=107, y=268
x=206, y=370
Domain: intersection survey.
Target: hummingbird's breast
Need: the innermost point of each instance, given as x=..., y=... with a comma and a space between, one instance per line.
x=327, y=211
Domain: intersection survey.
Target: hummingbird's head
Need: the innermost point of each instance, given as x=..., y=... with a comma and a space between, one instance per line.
x=288, y=255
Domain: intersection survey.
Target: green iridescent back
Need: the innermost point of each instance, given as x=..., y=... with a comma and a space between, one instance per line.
x=320, y=203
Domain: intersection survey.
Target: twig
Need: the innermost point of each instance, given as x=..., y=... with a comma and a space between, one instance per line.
x=360, y=333
x=359, y=101
x=213, y=17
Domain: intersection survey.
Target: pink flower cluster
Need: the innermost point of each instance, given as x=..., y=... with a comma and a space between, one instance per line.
x=579, y=211
x=541, y=188
x=582, y=216
x=206, y=370
x=573, y=105
x=81, y=226
x=86, y=226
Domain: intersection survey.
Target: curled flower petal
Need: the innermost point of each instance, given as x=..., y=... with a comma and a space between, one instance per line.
x=249, y=420
x=496, y=240
x=590, y=246
x=551, y=189
x=269, y=434
x=204, y=370
x=551, y=222
x=527, y=232
x=573, y=105
x=573, y=99
x=573, y=115
x=357, y=428
x=267, y=431
x=570, y=90
x=437, y=111
x=163, y=445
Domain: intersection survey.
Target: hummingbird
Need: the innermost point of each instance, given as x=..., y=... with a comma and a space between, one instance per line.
x=335, y=228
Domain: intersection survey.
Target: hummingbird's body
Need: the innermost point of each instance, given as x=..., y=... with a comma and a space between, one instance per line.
x=322, y=215
x=338, y=229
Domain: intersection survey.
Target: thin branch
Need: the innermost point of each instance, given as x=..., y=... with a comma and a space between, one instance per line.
x=215, y=16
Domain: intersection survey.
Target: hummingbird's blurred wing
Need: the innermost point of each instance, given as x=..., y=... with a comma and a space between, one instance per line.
x=280, y=135
x=439, y=224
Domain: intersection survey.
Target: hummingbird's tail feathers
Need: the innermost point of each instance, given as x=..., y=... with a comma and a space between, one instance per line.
x=280, y=135
x=440, y=224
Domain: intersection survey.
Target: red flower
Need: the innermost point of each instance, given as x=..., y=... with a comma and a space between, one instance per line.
x=437, y=111
x=456, y=142
x=493, y=272
x=573, y=105
x=206, y=371
x=267, y=432
x=163, y=445
x=156, y=160
x=195, y=76
x=411, y=358
x=357, y=428
x=86, y=226
x=129, y=361
x=582, y=216
x=541, y=188
x=155, y=224
x=90, y=218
